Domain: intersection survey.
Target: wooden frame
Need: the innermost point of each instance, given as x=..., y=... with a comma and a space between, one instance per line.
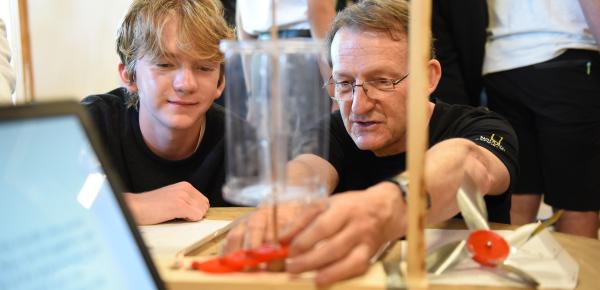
x=419, y=56
x=26, y=60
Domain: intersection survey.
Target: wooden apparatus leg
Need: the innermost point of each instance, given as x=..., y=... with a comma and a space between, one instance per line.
x=26, y=62
x=419, y=55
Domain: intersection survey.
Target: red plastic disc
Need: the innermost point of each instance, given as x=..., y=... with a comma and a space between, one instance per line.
x=240, y=260
x=269, y=252
x=215, y=265
x=488, y=248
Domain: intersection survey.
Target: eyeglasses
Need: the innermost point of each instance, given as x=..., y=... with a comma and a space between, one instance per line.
x=344, y=90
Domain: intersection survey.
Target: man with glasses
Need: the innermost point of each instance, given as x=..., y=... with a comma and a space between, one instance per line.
x=368, y=148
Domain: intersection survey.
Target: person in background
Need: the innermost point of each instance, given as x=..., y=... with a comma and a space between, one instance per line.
x=542, y=72
x=368, y=51
x=163, y=132
x=7, y=74
x=295, y=19
x=459, y=30
x=229, y=11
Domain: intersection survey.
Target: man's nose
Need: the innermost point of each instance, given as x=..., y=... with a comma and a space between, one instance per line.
x=361, y=103
x=355, y=88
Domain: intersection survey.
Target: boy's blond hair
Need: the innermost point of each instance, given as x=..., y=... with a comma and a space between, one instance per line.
x=200, y=27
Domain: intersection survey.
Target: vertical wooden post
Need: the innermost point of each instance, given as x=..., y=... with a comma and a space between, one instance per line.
x=276, y=107
x=28, y=84
x=419, y=55
x=274, y=28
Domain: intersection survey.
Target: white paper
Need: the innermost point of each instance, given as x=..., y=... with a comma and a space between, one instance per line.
x=542, y=257
x=169, y=238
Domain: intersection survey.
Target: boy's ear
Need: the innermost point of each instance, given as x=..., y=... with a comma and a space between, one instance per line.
x=127, y=83
x=220, y=88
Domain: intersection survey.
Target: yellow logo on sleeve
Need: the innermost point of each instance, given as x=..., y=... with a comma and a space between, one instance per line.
x=495, y=141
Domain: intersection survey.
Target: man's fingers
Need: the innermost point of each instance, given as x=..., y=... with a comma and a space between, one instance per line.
x=256, y=228
x=325, y=251
x=302, y=219
x=235, y=239
x=354, y=264
x=323, y=227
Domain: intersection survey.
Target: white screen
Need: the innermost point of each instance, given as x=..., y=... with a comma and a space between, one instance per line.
x=61, y=226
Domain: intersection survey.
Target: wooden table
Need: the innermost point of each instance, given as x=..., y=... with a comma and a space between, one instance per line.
x=585, y=251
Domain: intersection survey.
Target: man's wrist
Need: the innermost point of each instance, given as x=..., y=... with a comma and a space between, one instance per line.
x=401, y=180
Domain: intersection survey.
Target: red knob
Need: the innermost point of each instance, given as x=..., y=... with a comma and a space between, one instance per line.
x=488, y=248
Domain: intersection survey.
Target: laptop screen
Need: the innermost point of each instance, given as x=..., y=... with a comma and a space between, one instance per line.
x=61, y=225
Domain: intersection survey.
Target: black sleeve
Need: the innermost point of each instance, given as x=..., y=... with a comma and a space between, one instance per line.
x=107, y=112
x=494, y=133
x=487, y=129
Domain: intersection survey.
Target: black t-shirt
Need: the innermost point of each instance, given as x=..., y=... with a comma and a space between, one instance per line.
x=359, y=169
x=142, y=170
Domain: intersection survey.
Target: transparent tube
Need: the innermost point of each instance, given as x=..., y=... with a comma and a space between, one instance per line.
x=277, y=111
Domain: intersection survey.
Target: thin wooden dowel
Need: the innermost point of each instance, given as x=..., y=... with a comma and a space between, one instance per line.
x=419, y=55
x=26, y=60
x=276, y=174
x=274, y=28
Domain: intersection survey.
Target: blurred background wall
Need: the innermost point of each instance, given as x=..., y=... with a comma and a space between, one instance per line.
x=72, y=45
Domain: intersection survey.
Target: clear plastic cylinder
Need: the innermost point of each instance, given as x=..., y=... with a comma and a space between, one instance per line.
x=277, y=111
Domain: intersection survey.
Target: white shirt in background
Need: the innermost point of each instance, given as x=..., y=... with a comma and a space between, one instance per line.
x=256, y=15
x=526, y=32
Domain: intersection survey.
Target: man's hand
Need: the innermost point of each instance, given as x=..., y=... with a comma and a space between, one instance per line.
x=179, y=200
x=339, y=243
x=257, y=228
x=292, y=215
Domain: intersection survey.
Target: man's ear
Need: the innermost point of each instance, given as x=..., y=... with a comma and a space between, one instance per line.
x=435, y=73
x=130, y=85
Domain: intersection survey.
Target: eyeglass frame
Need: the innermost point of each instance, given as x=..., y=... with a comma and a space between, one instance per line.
x=354, y=85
